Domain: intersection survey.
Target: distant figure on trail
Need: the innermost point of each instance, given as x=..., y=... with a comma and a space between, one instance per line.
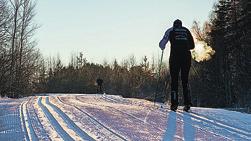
x=99, y=81
x=182, y=42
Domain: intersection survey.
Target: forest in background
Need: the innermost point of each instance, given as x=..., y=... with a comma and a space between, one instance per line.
x=222, y=81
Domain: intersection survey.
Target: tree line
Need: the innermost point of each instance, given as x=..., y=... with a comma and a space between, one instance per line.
x=222, y=81
x=19, y=58
x=226, y=78
x=126, y=78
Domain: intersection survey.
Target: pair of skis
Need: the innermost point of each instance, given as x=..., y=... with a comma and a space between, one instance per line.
x=184, y=109
x=164, y=106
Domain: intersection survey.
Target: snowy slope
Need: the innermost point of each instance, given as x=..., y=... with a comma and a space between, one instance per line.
x=113, y=118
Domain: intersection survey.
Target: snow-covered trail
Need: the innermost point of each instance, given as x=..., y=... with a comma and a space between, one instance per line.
x=120, y=122
x=83, y=135
x=27, y=123
x=34, y=119
x=11, y=125
x=209, y=124
x=113, y=118
x=54, y=122
x=177, y=126
x=238, y=133
x=107, y=133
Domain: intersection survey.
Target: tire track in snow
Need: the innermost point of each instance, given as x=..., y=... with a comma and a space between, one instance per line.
x=91, y=117
x=69, y=122
x=65, y=136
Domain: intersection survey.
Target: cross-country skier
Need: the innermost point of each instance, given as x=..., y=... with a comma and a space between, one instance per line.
x=99, y=81
x=180, y=60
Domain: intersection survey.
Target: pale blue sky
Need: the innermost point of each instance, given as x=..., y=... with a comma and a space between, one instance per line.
x=108, y=29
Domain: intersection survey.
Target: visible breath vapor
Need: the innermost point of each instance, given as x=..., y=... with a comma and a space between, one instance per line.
x=202, y=52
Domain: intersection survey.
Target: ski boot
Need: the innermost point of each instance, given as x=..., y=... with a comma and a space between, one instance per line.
x=187, y=98
x=174, y=101
x=186, y=108
x=174, y=107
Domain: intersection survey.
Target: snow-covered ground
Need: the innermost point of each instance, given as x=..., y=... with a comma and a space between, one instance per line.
x=113, y=118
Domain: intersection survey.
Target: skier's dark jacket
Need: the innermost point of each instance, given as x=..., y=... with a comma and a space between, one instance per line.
x=181, y=40
x=99, y=81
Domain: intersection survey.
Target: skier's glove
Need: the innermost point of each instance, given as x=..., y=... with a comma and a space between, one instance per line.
x=162, y=44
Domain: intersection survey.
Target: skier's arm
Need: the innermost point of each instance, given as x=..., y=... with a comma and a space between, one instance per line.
x=190, y=41
x=165, y=39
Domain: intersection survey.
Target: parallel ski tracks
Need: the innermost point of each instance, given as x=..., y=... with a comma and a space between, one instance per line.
x=222, y=123
x=32, y=135
x=130, y=115
x=69, y=122
x=65, y=136
x=240, y=132
x=163, y=112
x=91, y=117
x=36, y=123
x=24, y=128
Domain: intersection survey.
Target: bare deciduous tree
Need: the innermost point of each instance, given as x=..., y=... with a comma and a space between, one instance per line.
x=18, y=56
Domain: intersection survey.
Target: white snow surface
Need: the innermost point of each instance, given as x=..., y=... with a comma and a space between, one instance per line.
x=90, y=117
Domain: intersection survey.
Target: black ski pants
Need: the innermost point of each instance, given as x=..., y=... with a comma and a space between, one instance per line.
x=180, y=63
x=100, y=89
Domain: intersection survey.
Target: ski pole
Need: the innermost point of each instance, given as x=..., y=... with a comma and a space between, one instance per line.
x=157, y=87
x=166, y=82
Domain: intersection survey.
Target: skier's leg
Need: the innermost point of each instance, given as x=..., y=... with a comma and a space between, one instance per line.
x=101, y=89
x=185, y=67
x=174, y=72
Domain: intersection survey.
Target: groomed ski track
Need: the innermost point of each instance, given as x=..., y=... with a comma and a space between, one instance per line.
x=239, y=133
x=119, y=137
x=113, y=118
x=31, y=135
x=70, y=123
x=173, y=131
x=64, y=135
